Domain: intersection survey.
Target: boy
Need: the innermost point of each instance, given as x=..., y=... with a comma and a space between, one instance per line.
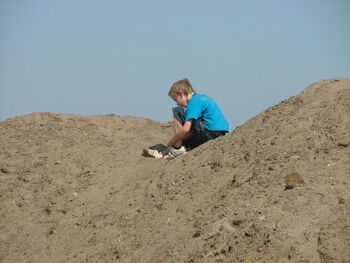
x=197, y=119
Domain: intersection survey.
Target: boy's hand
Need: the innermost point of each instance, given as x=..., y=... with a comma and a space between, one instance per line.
x=181, y=133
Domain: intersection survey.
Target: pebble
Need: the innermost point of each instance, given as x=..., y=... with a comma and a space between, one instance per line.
x=293, y=179
x=344, y=142
x=5, y=170
x=214, y=228
x=262, y=218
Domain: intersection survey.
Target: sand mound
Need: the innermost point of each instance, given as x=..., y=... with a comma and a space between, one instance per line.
x=276, y=189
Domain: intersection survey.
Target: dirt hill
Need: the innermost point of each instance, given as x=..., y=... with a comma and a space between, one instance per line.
x=276, y=189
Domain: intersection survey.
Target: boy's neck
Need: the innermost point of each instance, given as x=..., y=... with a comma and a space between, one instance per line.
x=189, y=96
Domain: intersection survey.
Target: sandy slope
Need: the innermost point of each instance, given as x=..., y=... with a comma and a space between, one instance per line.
x=76, y=189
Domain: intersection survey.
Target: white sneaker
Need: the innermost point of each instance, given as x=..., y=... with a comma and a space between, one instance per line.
x=175, y=152
x=166, y=151
x=152, y=153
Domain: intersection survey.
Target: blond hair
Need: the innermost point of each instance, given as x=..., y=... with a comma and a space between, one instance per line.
x=182, y=85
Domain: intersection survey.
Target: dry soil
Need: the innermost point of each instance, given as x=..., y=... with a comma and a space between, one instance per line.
x=276, y=189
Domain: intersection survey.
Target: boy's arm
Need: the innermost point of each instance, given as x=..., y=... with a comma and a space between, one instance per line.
x=181, y=133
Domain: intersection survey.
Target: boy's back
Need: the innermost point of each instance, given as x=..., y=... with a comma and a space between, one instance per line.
x=204, y=108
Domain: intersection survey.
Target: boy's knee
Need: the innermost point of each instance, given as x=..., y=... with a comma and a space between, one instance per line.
x=179, y=114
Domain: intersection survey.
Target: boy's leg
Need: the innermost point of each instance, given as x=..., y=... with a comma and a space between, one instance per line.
x=195, y=137
x=177, y=127
x=199, y=131
x=179, y=114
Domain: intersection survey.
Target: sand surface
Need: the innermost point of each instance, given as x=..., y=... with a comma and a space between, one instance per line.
x=276, y=189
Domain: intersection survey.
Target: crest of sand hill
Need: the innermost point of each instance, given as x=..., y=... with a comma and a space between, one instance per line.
x=276, y=189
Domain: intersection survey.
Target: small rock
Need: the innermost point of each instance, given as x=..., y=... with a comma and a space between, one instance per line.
x=48, y=210
x=196, y=234
x=214, y=228
x=51, y=230
x=237, y=222
x=310, y=144
x=5, y=170
x=262, y=218
x=215, y=164
x=344, y=142
x=341, y=200
x=293, y=179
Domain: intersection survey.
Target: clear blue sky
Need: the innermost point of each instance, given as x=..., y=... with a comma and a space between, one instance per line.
x=93, y=57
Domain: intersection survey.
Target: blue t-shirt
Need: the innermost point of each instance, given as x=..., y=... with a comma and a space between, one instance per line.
x=202, y=107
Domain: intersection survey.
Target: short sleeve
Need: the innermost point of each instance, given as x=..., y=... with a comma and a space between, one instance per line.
x=194, y=109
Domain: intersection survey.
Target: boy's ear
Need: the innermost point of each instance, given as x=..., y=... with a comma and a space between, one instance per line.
x=180, y=93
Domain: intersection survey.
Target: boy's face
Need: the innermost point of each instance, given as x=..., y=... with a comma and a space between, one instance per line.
x=181, y=99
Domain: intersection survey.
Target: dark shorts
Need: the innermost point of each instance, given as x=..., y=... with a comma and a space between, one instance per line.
x=200, y=133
